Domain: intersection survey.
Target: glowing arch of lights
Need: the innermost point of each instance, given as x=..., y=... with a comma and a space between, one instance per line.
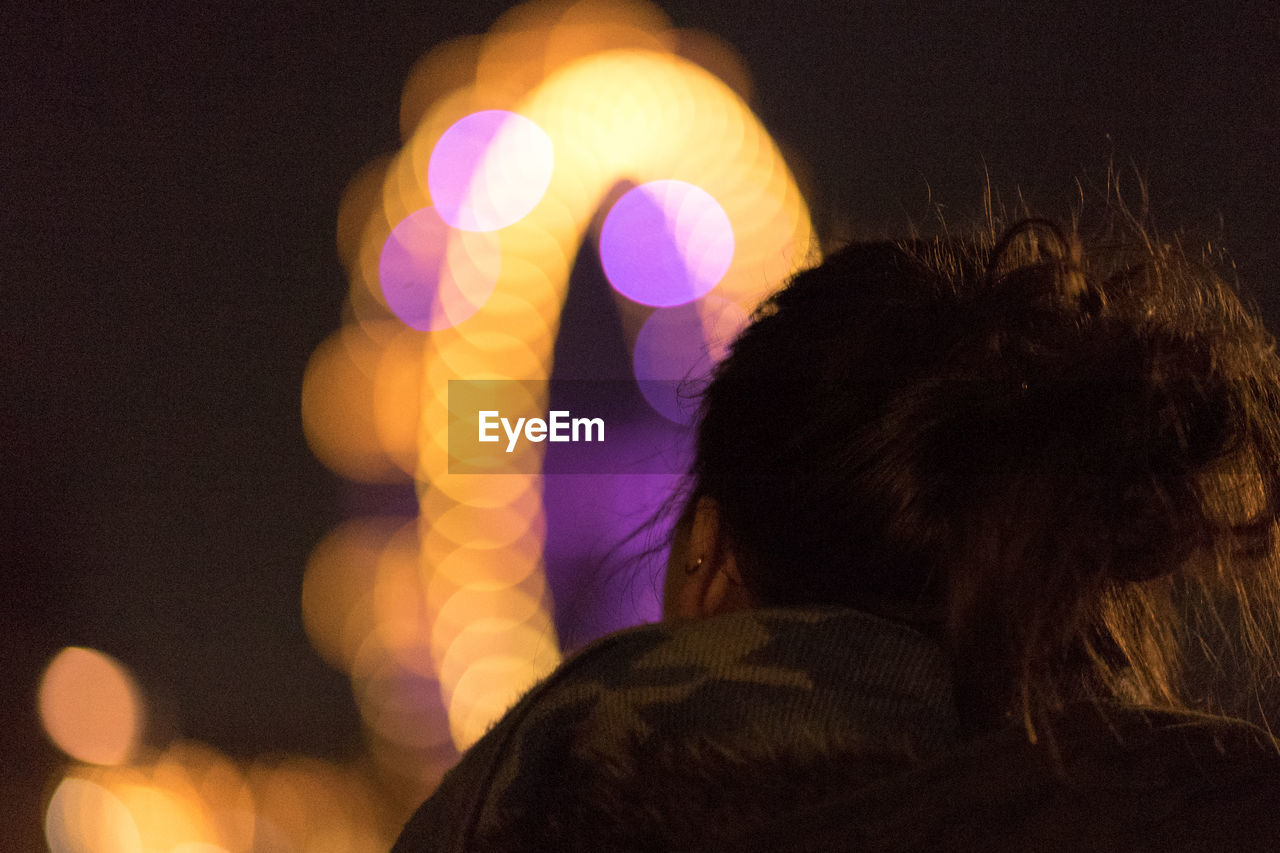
x=616, y=110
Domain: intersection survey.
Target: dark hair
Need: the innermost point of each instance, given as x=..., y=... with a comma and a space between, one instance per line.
x=1065, y=465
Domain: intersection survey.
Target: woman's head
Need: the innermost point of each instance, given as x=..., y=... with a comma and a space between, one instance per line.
x=1063, y=461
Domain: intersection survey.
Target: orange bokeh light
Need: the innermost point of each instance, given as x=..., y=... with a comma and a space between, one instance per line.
x=85, y=817
x=90, y=707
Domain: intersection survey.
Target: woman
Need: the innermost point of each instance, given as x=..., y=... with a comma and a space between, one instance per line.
x=979, y=552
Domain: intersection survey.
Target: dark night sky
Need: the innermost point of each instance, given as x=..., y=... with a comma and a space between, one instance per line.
x=170, y=188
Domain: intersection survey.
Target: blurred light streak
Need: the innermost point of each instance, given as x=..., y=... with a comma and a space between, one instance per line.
x=517, y=144
x=611, y=116
x=90, y=707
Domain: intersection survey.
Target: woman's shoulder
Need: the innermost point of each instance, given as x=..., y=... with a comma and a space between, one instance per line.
x=821, y=729
x=676, y=704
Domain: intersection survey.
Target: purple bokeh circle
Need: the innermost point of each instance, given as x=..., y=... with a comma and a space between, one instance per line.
x=666, y=243
x=489, y=169
x=676, y=350
x=433, y=276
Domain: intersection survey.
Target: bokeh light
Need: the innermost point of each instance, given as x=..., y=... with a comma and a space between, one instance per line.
x=90, y=707
x=339, y=411
x=338, y=588
x=518, y=146
x=84, y=817
x=166, y=814
x=397, y=398
x=305, y=804
x=200, y=774
x=666, y=243
x=676, y=350
x=459, y=249
x=434, y=276
x=142, y=808
x=489, y=170
x=616, y=108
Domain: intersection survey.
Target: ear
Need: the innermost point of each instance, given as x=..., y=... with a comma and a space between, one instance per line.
x=712, y=581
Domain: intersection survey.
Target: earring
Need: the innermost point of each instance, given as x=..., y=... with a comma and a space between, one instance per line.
x=693, y=567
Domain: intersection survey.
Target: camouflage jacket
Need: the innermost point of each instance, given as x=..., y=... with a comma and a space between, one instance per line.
x=828, y=729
